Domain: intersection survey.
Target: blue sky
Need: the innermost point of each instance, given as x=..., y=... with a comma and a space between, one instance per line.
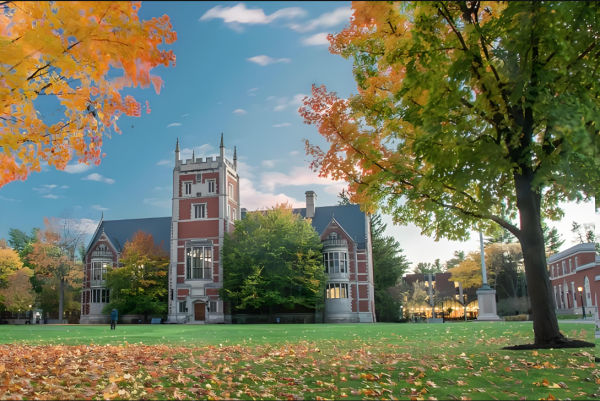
x=242, y=69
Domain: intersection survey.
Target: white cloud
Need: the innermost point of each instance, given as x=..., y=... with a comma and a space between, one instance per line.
x=77, y=168
x=254, y=199
x=220, y=103
x=160, y=188
x=336, y=188
x=294, y=153
x=76, y=207
x=199, y=151
x=298, y=176
x=49, y=186
x=239, y=111
x=266, y=60
x=64, y=187
x=184, y=115
x=316, y=40
x=9, y=199
x=252, y=90
x=269, y=163
x=284, y=103
x=86, y=226
x=330, y=19
x=98, y=207
x=173, y=125
x=161, y=162
x=51, y=196
x=282, y=125
x=99, y=178
x=238, y=15
x=161, y=202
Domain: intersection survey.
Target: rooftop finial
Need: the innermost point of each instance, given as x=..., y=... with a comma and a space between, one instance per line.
x=177, y=146
x=222, y=140
x=234, y=153
x=193, y=156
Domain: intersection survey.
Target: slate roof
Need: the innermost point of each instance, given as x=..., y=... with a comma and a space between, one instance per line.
x=350, y=217
x=120, y=231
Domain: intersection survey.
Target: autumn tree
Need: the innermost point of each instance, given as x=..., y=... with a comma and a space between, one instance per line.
x=140, y=286
x=466, y=110
x=18, y=294
x=53, y=256
x=64, y=54
x=9, y=263
x=273, y=259
x=468, y=272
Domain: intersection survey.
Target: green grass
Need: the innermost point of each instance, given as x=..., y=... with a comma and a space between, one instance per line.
x=256, y=361
x=573, y=317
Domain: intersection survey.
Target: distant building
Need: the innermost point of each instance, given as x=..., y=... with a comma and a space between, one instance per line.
x=206, y=202
x=444, y=293
x=578, y=266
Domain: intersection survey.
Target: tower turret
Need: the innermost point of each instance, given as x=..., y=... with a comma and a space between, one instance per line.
x=222, y=148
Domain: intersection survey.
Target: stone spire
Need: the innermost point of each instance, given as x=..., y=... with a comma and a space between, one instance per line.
x=177, y=152
x=235, y=157
x=222, y=150
x=193, y=156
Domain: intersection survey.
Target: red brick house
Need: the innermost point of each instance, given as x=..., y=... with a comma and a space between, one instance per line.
x=578, y=266
x=206, y=202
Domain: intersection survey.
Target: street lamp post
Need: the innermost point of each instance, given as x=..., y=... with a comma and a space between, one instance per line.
x=580, y=289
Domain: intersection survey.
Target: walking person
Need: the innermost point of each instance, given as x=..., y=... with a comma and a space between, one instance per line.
x=113, y=319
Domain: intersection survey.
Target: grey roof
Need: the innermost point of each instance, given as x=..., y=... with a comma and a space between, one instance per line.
x=120, y=231
x=350, y=217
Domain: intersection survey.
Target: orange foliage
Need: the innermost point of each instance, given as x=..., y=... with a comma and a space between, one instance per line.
x=142, y=243
x=45, y=47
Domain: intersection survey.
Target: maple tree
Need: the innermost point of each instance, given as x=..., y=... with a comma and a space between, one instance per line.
x=53, y=256
x=9, y=263
x=61, y=53
x=273, y=258
x=140, y=285
x=466, y=111
x=18, y=294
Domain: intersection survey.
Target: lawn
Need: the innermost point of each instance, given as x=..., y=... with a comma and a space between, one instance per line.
x=358, y=361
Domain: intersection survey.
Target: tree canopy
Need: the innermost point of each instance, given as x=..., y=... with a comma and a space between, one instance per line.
x=465, y=111
x=18, y=294
x=63, y=54
x=140, y=286
x=53, y=255
x=273, y=258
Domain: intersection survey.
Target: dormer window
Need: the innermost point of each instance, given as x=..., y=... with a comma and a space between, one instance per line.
x=333, y=235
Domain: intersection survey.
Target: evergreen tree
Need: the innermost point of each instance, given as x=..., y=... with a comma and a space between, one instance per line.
x=459, y=257
x=389, y=265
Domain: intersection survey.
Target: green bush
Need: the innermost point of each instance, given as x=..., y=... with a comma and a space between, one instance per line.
x=517, y=318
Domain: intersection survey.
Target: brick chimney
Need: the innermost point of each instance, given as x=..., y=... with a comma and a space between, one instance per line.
x=311, y=200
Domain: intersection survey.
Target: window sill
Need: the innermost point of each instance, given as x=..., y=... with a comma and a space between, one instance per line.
x=198, y=279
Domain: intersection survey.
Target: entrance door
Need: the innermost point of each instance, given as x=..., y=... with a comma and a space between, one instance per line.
x=199, y=311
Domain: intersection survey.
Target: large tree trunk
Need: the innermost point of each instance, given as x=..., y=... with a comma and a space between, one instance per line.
x=545, y=324
x=61, y=300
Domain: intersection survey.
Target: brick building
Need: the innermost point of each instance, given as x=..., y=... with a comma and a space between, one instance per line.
x=206, y=202
x=578, y=266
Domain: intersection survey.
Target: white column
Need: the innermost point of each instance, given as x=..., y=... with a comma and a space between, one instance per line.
x=574, y=295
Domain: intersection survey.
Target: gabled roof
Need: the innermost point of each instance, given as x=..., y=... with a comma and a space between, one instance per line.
x=350, y=217
x=120, y=231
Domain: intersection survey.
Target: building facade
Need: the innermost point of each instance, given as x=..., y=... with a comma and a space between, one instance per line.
x=206, y=203
x=578, y=266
